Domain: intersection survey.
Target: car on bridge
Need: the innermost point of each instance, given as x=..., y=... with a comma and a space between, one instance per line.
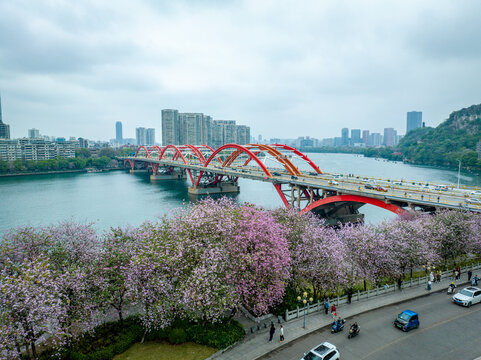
x=468, y=296
x=380, y=188
x=333, y=182
x=407, y=320
x=369, y=186
x=324, y=351
x=476, y=192
x=473, y=201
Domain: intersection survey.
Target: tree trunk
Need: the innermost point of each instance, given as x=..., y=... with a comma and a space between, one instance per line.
x=34, y=350
x=365, y=285
x=143, y=336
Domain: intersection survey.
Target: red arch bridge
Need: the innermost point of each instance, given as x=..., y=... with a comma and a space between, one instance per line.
x=299, y=182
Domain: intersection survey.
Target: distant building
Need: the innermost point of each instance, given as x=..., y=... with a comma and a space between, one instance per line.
x=36, y=149
x=375, y=139
x=355, y=136
x=33, y=134
x=118, y=132
x=141, y=135
x=4, y=128
x=150, y=137
x=83, y=143
x=244, y=135
x=390, y=137
x=365, y=137
x=344, y=137
x=414, y=120
x=170, y=127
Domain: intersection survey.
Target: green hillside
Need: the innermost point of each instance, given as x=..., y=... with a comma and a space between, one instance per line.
x=454, y=139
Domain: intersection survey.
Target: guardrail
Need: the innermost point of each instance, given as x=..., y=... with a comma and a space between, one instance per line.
x=318, y=306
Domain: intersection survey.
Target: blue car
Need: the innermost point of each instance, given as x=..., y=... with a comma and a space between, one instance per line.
x=407, y=320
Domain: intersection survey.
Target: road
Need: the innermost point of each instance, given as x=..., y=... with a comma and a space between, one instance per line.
x=447, y=331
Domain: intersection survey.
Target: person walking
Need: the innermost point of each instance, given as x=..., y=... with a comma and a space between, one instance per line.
x=470, y=273
x=326, y=306
x=456, y=274
x=439, y=275
x=281, y=331
x=429, y=285
x=333, y=310
x=349, y=295
x=431, y=276
x=271, y=332
x=458, y=269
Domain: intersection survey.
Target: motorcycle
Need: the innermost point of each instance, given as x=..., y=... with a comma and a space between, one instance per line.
x=451, y=290
x=337, y=326
x=353, y=332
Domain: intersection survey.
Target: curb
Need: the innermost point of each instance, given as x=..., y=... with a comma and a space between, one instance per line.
x=352, y=315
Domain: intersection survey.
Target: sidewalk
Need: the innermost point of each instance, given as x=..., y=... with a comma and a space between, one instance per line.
x=255, y=346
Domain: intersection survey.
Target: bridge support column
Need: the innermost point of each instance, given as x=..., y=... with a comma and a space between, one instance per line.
x=176, y=175
x=221, y=188
x=139, y=171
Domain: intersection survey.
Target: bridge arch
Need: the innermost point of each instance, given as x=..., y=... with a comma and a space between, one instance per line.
x=239, y=149
x=177, y=154
x=354, y=198
x=300, y=154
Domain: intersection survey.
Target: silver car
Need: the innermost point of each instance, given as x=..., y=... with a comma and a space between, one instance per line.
x=324, y=351
x=468, y=296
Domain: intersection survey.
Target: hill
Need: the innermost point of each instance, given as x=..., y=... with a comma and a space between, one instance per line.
x=452, y=140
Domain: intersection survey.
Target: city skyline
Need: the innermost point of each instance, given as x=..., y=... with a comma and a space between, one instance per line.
x=362, y=65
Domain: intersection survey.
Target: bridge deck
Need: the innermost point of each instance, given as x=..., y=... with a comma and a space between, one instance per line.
x=404, y=194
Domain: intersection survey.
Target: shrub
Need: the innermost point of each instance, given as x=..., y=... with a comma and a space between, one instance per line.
x=220, y=335
x=177, y=336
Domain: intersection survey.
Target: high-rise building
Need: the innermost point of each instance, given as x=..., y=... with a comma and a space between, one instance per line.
x=118, y=132
x=375, y=139
x=365, y=137
x=4, y=128
x=355, y=136
x=390, y=137
x=141, y=135
x=170, y=127
x=345, y=137
x=244, y=135
x=191, y=128
x=33, y=133
x=207, y=125
x=150, y=137
x=414, y=120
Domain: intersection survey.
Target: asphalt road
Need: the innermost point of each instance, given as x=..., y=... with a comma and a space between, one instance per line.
x=446, y=331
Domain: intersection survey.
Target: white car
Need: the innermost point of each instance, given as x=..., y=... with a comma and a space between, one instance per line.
x=324, y=351
x=474, y=201
x=477, y=192
x=468, y=296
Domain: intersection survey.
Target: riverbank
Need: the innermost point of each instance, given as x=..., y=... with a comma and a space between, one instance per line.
x=53, y=172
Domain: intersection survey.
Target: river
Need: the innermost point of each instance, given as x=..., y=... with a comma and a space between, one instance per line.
x=118, y=199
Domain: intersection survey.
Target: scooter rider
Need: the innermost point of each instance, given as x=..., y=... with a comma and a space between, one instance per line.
x=452, y=287
x=354, y=327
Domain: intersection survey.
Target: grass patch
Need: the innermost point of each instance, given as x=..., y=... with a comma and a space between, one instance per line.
x=156, y=350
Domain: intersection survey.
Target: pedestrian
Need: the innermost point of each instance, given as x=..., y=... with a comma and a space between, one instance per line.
x=456, y=274
x=431, y=276
x=271, y=332
x=458, y=269
x=333, y=309
x=349, y=295
x=470, y=273
x=281, y=331
x=326, y=305
x=439, y=275
x=429, y=285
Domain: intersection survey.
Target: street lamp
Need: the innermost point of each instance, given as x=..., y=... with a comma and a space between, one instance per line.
x=304, y=301
x=459, y=171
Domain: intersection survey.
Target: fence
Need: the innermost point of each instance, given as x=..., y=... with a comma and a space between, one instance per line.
x=318, y=306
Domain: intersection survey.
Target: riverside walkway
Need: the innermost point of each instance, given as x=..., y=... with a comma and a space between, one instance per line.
x=257, y=345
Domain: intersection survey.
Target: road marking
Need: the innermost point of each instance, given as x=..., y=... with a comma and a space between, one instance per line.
x=420, y=330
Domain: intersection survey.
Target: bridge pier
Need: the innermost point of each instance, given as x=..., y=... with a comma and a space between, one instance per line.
x=176, y=175
x=139, y=171
x=221, y=188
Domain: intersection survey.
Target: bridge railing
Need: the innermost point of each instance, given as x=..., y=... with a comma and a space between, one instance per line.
x=370, y=293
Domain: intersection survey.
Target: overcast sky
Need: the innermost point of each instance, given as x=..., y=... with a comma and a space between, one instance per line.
x=285, y=68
